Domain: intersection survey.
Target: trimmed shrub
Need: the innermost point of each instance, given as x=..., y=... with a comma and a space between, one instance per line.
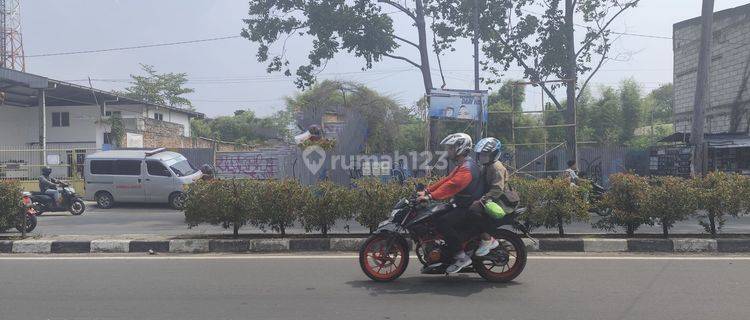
x=325, y=203
x=10, y=198
x=279, y=204
x=552, y=203
x=627, y=198
x=228, y=203
x=720, y=194
x=375, y=200
x=670, y=199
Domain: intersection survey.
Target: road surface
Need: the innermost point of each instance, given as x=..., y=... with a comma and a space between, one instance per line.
x=332, y=287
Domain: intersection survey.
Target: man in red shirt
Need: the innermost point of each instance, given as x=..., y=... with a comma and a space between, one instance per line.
x=463, y=185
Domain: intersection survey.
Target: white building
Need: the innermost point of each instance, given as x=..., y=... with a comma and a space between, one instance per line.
x=65, y=119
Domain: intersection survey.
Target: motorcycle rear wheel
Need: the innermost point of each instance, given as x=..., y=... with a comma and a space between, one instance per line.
x=514, y=247
x=30, y=223
x=383, y=264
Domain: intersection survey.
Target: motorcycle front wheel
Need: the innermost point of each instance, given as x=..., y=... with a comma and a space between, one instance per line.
x=383, y=258
x=504, y=263
x=77, y=208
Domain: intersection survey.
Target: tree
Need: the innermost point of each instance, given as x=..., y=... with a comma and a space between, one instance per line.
x=166, y=89
x=244, y=127
x=658, y=105
x=542, y=44
x=363, y=28
x=605, y=117
x=630, y=99
x=382, y=114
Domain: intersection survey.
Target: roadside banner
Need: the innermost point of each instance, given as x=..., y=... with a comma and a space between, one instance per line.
x=457, y=104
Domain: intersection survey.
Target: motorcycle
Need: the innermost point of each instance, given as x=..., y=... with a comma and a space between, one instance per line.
x=597, y=194
x=71, y=201
x=28, y=213
x=384, y=256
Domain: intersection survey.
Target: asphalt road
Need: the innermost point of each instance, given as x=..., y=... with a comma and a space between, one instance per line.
x=149, y=219
x=332, y=287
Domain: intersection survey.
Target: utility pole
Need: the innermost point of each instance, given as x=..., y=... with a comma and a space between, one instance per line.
x=702, y=93
x=571, y=73
x=480, y=118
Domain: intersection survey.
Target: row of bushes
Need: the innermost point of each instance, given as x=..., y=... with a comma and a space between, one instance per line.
x=278, y=204
x=634, y=201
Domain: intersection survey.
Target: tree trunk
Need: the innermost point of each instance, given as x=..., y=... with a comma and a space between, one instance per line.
x=571, y=74
x=282, y=230
x=630, y=230
x=560, y=230
x=236, y=230
x=712, y=222
x=324, y=230
x=424, y=52
x=665, y=229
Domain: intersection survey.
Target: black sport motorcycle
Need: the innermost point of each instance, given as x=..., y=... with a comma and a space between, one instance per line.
x=71, y=201
x=385, y=255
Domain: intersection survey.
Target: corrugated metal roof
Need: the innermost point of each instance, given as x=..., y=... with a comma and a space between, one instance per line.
x=132, y=154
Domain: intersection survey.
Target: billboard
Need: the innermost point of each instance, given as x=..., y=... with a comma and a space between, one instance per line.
x=457, y=104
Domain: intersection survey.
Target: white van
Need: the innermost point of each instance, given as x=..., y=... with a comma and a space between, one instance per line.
x=156, y=176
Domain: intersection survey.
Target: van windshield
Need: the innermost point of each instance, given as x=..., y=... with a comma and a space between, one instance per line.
x=182, y=167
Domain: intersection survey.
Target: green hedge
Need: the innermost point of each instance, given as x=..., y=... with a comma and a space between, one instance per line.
x=551, y=203
x=10, y=198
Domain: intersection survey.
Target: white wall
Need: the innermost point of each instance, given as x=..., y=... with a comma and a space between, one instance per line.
x=18, y=126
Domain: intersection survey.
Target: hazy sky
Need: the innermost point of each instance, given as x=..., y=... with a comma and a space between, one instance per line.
x=226, y=75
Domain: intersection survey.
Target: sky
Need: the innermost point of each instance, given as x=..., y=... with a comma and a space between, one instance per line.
x=226, y=75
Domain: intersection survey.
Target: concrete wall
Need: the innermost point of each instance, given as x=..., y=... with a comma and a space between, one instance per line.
x=729, y=61
x=18, y=126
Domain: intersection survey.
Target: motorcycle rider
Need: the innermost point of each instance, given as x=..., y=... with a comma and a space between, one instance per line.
x=48, y=185
x=208, y=172
x=464, y=186
x=494, y=178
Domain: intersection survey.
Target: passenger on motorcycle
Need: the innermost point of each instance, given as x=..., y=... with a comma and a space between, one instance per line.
x=463, y=185
x=48, y=185
x=494, y=178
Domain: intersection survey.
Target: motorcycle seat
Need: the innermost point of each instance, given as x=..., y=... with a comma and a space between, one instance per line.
x=37, y=193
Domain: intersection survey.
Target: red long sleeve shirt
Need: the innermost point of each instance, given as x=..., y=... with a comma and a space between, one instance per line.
x=449, y=186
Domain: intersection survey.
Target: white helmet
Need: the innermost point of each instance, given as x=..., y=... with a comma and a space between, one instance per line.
x=461, y=143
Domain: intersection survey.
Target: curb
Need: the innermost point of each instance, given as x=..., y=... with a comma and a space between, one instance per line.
x=353, y=244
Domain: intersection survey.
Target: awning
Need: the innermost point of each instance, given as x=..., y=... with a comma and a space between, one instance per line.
x=714, y=141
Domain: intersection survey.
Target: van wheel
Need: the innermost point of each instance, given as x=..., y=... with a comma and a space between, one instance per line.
x=177, y=200
x=104, y=200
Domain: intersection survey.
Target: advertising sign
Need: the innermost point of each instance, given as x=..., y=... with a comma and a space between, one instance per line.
x=457, y=104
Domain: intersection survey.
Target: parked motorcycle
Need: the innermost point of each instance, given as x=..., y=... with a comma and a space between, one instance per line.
x=28, y=213
x=71, y=201
x=385, y=255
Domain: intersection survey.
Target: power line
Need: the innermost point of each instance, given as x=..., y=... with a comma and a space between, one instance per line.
x=163, y=44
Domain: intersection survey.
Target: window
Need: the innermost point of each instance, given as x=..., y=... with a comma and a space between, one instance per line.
x=159, y=116
x=155, y=168
x=61, y=119
x=107, y=138
x=102, y=167
x=128, y=167
x=113, y=114
x=183, y=168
